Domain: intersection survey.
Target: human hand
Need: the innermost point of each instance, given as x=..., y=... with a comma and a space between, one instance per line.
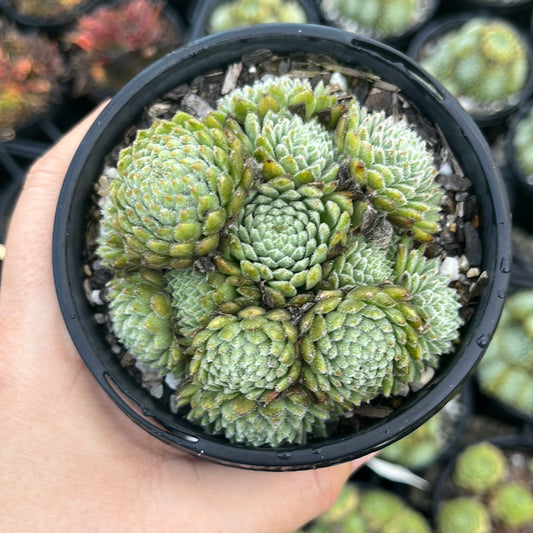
x=70, y=460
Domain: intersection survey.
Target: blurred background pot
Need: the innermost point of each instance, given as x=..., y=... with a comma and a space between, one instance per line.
x=393, y=22
x=217, y=53
x=491, y=74
x=212, y=16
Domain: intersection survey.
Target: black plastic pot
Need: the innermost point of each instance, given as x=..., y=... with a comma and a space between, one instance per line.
x=215, y=53
x=496, y=8
x=400, y=41
x=522, y=183
x=200, y=13
x=441, y=26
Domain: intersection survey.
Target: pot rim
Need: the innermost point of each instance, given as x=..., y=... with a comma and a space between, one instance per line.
x=212, y=52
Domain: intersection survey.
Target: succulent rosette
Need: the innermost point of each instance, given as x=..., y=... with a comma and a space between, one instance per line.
x=178, y=183
x=141, y=312
x=252, y=233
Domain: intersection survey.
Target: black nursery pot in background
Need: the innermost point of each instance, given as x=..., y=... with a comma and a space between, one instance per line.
x=438, y=28
x=200, y=15
x=216, y=53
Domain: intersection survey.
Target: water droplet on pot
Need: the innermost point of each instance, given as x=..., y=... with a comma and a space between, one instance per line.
x=505, y=264
x=482, y=340
x=317, y=451
x=74, y=316
x=501, y=293
x=285, y=456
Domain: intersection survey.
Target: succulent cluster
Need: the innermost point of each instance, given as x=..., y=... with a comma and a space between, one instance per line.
x=271, y=255
x=235, y=13
x=490, y=498
x=506, y=370
x=31, y=69
x=522, y=141
x=484, y=61
x=369, y=511
x=113, y=43
x=45, y=8
x=380, y=19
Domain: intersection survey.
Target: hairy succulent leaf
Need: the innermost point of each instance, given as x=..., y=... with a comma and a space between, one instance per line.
x=142, y=319
x=393, y=167
x=178, y=184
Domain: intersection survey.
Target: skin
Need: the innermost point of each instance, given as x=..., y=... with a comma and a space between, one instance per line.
x=70, y=460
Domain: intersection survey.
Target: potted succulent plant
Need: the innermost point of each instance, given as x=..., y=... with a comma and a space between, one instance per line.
x=484, y=61
x=518, y=157
x=278, y=272
x=112, y=43
x=390, y=21
x=487, y=488
x=49, y=15
x=369, y=510
x=212, y=16
x=31, y=75
x=506, y=371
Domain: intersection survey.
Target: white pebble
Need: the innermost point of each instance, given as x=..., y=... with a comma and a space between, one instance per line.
x=472, y=272
x=464, y=263
x=446, y=170
x=172, y=381
x=95, y=297
x=157, y=391
x=450, y=268
x=338, y=79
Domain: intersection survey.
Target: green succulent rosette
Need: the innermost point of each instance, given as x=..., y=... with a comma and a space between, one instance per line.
x=362, y=344
x=178, y=184
x=389, y=163
x=506, y=370
x=250, y=353
x=246, y=260
x=463, y=515
x=236, y=13
x=430, y=296
x=512, y=505
x=142, y=318
x=484, y=61
x=274, y=93
x=376, y=18
x=480, y=468
x=272, y=420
